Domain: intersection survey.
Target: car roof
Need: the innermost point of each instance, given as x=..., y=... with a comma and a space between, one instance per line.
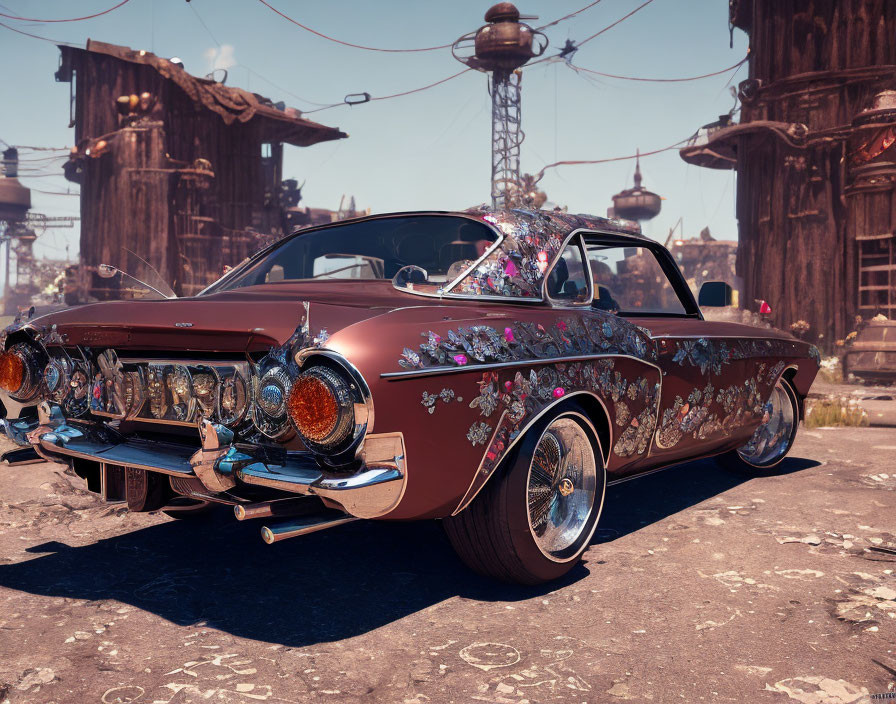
x=514, y=222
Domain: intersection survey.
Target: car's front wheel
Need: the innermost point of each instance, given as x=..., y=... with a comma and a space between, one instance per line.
x=773, y=439
x=534, y=520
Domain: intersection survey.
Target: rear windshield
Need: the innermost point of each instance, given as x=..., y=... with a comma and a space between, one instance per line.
x=444, y=246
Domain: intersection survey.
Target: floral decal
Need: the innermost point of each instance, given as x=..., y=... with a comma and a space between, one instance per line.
x=478, y=433
x=516, y=267
x=710, y=355
x=528, y=341
x=516, y=397
x=703, y=416
x=429, y=400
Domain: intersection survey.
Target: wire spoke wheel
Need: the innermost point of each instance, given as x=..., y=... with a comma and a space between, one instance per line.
x=773, y=438
x=562, y=488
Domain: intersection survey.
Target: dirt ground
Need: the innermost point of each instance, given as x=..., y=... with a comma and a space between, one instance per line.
x=701, y=585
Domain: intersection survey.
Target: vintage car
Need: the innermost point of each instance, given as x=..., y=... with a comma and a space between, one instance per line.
x=492, y=369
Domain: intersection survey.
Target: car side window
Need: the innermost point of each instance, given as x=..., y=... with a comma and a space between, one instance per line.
x=568, y=282
x=630, y=280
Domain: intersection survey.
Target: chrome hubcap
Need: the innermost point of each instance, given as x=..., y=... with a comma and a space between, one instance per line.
x=562, y=487
x=773, y=438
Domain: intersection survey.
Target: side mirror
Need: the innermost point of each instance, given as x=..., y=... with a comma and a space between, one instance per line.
x=715, y=294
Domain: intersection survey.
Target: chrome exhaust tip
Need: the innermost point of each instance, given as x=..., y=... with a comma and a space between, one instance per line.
x=302, y=526
x=277, y=508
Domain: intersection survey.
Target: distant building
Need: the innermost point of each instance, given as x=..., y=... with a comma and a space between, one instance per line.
x=704, y=259
x=180, y=171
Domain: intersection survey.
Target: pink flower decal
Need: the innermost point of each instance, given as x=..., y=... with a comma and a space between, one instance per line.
x=559, y=392
x=510, y=268
x=561, y=325
x=508, y=334
x=460, y=359
x=508, y=386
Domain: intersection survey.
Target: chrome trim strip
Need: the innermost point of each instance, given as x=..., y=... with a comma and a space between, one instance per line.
x=432, y=371
x=723, y=337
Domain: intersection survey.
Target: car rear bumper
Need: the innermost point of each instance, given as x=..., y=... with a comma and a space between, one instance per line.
x=373, y=490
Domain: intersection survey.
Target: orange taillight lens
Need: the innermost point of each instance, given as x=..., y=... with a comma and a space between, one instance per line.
x=313, y=408
x=320, y=406
x=12, y=372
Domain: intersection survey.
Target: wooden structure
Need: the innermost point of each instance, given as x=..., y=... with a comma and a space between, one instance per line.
x=183, y=172
x=815, y=160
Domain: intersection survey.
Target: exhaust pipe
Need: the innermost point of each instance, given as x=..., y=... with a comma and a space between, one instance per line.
x=278, y=508
x=304, y=525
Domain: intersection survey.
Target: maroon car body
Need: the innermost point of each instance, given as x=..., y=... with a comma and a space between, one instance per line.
x=443, y=369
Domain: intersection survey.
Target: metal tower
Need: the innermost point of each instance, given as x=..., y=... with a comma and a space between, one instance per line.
x=501, y=47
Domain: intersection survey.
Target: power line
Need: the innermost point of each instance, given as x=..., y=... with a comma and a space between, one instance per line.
x=281, y=88
x=202, y=22
x=581, y=162
x=54, y=193
x=71, y=19
x=566, y=17
x=35, y=36
x=610, y=26
x=370, y=99
x=344, y=43
x=658, y=80
x=427, y=87
x=43, y=158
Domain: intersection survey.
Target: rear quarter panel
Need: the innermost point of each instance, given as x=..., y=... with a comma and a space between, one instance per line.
x=463, y=383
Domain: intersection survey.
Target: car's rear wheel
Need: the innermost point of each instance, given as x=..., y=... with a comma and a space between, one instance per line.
x=534, y=520
x=774, y=437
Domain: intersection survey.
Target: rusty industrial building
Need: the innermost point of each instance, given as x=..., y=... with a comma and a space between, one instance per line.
x=181, y=172
x=815, y=160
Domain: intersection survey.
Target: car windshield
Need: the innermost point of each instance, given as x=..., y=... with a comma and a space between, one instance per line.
x=631, y=280
x=442, y=246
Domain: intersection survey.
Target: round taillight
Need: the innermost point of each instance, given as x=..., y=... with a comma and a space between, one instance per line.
x=12, y=372
x=20, y=371
x=320, y=406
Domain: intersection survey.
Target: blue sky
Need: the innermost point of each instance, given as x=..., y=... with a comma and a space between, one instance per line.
x=429, y=150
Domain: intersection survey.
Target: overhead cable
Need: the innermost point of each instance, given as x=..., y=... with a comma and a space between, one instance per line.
x=574, y=67
x=35, y=36
x=70, y=19
x=344, y=43
x=369, y=98
x=570, y=15
x=610, y=26
x=582, y=162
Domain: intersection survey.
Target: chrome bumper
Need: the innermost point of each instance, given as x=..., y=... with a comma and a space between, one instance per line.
x=372, y=491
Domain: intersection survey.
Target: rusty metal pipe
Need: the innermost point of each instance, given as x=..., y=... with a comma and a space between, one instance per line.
x=279, y=507
x=304, y=525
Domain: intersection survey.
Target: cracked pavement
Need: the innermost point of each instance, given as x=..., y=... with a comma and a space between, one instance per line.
x=701, y=584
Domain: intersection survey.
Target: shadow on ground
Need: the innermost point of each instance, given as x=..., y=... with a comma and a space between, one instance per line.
x=325, y=586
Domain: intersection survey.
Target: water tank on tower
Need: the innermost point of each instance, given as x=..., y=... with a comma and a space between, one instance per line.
x=636, y=203
x=15, y=199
